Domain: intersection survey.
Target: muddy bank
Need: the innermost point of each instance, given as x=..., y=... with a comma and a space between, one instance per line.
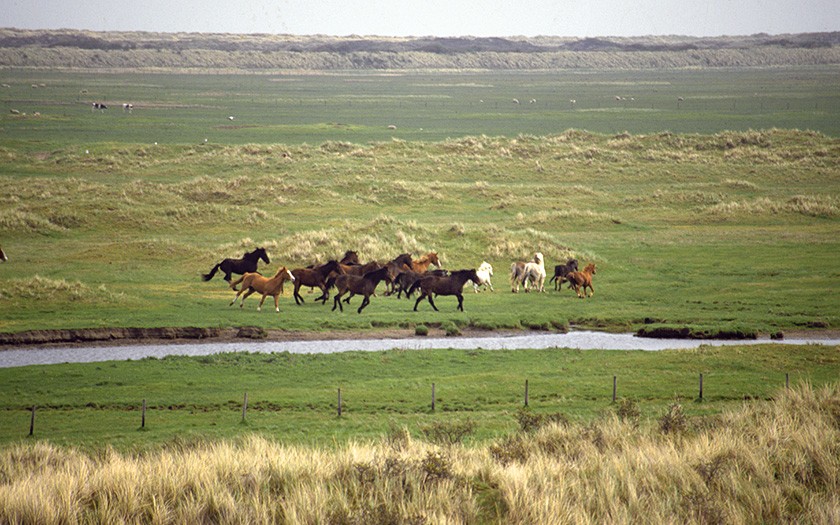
x=172, y=335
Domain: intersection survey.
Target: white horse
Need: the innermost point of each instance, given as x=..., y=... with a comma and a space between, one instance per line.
x=484, y=272
x=527, y=274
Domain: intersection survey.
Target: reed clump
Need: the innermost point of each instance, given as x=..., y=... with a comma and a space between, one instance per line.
x=767, y=462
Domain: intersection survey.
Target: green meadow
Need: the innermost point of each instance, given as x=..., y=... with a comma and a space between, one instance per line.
x=707, y=199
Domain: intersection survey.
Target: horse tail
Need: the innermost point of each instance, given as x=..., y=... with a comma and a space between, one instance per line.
x=234, y=283
x=210, y=275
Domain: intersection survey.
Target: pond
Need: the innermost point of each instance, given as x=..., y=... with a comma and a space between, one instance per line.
x=583, y=340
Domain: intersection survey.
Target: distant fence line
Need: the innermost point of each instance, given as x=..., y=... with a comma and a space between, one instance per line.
x=340, y=404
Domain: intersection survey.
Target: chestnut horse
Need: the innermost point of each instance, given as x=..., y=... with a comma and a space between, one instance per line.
x=448, y=285
x=315, y=277
x=582, y=280
x=248, y=263
x=254, y=282
x=358, y=285
x=422, y=264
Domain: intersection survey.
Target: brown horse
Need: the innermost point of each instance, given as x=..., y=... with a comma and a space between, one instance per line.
x=350, y=258
x=448, y=285
x=316, y=276
x=422, y=264
x=254, y=282
x=582, y=280
x=358, y=285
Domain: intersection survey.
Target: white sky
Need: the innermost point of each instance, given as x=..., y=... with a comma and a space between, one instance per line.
x=431, y=17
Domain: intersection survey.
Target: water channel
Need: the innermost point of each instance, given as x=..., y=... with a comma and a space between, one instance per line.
x=583, y=340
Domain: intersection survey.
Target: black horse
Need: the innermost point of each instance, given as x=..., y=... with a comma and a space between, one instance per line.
x=561, y=271
x=248, y=263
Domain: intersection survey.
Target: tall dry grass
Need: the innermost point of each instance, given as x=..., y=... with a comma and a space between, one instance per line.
x=768, y=462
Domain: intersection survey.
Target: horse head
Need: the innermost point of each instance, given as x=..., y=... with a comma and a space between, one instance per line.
x=538, y=258
x=485, y=267
x=590, y=268
x=262, y=255
x=433, y=258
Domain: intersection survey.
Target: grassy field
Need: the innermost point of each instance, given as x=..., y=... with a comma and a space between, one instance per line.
x=717, y=211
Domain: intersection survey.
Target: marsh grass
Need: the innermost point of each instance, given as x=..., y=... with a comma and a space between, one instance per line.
x=772, y=461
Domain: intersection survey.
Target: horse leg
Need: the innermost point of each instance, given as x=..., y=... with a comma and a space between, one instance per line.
x=591, y=290
x=365, y=302
x=422, y=296
x=337, y=302
x=262, y=300
x=460, y=302
x=277, y=303
x=433, y=303
x=298, y=298
x=238, y=292
x=248, y=292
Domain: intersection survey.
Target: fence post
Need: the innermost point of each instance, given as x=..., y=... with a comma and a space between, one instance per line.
x=433, y=397
x=244, y=407
x=339, y=402
x=143, y=417
x=526, y=392
x=615, y=385
x=32, y=422
x=701, y=387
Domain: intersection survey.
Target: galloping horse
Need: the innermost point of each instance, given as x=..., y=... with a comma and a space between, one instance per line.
x=422, y=264
x=315, y=277
x=484, y=272
x=248, y=263
x=254, y=282
x=561, y=271
x=350, y=258
x=528, y=273
x=449, y=285
x=358, y=285
x=582, y=280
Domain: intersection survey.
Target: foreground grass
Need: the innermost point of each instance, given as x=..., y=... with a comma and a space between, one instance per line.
x=294, y=397
x=765, y=462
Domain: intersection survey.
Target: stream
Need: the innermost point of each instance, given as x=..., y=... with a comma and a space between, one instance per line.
x=582, y=340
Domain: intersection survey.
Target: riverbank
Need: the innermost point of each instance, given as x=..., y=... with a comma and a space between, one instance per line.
x=179, y=335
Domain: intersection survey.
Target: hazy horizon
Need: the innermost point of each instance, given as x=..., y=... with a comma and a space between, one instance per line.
x=402, y=18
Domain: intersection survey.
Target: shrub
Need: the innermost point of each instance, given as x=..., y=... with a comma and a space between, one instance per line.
x=530, y=421
x=628, y=410
x=673, y=421
x=449, y=432
x=421, y=329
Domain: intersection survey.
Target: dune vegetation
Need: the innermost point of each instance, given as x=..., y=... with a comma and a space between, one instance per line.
x=765, y=462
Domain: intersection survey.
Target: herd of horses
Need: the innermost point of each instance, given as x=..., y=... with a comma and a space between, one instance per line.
x=401, y=275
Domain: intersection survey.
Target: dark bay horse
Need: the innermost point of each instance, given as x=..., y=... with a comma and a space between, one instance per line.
x=363, y=285
x=248, y=263
x=254, y=282
x=561, y=271
x=448, y=285
x=316, y=276
x=350, y=258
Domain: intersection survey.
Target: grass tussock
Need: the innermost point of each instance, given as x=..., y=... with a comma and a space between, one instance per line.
x=56, y=290
x=767, y=462
x=809, y=205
